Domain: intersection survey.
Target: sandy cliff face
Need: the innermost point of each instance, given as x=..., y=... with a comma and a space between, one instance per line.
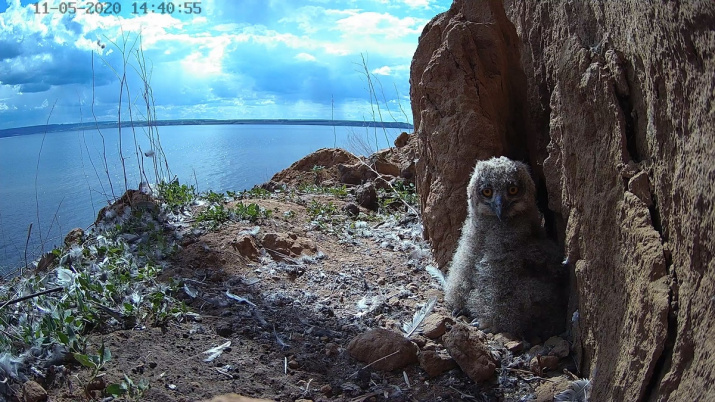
x=619, y=128
x=467, y=91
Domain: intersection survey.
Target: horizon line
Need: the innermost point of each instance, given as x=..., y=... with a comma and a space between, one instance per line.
x=58, y=127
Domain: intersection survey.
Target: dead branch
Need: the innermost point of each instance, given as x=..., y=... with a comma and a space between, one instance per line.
x=19, y=299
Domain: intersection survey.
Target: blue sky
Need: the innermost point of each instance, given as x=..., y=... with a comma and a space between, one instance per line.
x=235, y=59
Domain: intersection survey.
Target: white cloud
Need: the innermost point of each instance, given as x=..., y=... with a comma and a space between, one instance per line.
x=261, y=58
x=379, y=24
x=305, y=57
x=418, y=3
x=384, y=70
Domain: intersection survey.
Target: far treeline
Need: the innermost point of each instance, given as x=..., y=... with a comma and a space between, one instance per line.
x=52, y=128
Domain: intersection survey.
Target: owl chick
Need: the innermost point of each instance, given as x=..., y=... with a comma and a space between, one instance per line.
x=505, y=272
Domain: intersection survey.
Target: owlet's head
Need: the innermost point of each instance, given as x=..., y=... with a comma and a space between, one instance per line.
x=501, y=187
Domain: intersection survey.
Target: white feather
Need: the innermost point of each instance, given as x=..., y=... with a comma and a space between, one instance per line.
x=216, y=352
x=436, y=273
x=419, y=316
x=578, y=391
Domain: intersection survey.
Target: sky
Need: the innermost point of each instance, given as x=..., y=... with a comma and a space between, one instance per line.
x=228, y=59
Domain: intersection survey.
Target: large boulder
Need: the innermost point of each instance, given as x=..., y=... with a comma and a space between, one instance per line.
x=619, y=132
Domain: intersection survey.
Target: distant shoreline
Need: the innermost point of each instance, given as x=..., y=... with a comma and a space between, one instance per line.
x=54, y=128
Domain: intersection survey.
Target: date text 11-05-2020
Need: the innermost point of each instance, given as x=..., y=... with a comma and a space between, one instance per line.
x=108, y=7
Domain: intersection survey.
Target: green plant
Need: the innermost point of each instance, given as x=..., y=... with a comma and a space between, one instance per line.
x=406, y=191
x=214, y=197
x=176, y=195
x=317, y=209
x=94, y=362
x=214, y=216
x=256, y=192
x=251, y=212
x=128, y=389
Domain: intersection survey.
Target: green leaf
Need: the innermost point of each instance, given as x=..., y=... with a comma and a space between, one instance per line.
x=84, y=360
x=63, y=338
x=115, y=389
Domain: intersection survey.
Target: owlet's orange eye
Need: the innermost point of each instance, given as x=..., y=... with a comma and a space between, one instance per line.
x=513, y=190
x=487, y=192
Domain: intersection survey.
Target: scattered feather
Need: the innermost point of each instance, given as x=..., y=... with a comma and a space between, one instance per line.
x=578, y=391
x=252, y=231
x=191, y=292
x=65, y=277
x=280, y=341
x=436, y=274
x=362, y=304
x=419, y=316
x=239, y=299
x=213, y=353
x=9, y=364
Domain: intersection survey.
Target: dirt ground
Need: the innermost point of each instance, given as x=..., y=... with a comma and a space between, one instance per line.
x=283, y=324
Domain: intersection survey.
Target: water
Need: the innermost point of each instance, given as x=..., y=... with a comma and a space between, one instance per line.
x=68, y=186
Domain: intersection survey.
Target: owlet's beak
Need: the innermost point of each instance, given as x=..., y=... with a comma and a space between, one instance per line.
x=496, y=205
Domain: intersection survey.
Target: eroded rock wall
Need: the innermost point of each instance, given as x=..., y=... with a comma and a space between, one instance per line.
x=619, y=127
x=467, y=91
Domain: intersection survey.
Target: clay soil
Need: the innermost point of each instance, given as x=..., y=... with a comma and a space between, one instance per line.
x=288, y=339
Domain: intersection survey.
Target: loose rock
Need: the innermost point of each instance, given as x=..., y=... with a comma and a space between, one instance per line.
x=246, y=246
x=402, y=139
x=436, y=325
x=379, y=343
x=465, y=344
x=557, y=347
x=367, y=196
x=435, y=363
x=542, y=364
x=33, y=392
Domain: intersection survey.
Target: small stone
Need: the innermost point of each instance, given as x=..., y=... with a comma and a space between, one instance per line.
x=504, y=338
x=435, y=363
x=547, y=390
x=293, y=364
x=419, y=340
x=557, y=347
x=246, y=246
x=351, y=209
x=514, y=346
x=465, y=344
x=366, y=196
x=435, y=325
x=332, y=349
x=282, y=245
x=541, y=364
x=379, y=343
x=326, y=390
x=33, y=392
x=402, y=140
